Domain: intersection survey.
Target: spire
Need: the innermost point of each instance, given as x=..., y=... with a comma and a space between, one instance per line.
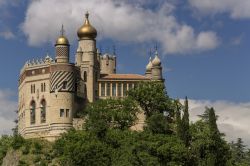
x=114, y=50
x=62, y=31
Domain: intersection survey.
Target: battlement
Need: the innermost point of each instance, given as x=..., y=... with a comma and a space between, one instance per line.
x=34, y=63
x=108, y=64
x=108, y=57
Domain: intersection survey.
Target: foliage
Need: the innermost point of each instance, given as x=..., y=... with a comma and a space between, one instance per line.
x=111, y=113
x=5, y=143
x=157, y=124
x=152, y=98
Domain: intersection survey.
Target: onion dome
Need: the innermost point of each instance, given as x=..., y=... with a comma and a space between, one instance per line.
x=62, y=40
x=87, y=30
x=156, y=61
x=150, y=65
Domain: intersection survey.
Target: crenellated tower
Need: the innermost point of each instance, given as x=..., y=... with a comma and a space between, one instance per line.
x=86, y=58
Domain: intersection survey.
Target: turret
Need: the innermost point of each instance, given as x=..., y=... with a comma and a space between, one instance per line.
x=156, y=68
x=148, y=72
x=62, y=48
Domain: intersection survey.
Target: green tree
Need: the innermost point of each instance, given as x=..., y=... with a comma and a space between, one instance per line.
x=207, y=143
x=152, y=98
x=185, y=135
x=111, y=113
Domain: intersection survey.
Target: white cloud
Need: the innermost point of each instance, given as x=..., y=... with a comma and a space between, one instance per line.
x=118, y=20
x=7, y=34
x=233, y=117
x=7, y=111
x=235, y=8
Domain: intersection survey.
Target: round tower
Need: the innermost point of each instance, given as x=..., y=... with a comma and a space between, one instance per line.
x=156, y=68
x=62, y=48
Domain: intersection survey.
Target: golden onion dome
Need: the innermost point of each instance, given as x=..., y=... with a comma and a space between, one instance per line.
x=62, y=40
x=87, y=30
x=156, y=61
x=150, y=65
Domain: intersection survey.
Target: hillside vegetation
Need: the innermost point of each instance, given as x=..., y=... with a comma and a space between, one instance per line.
x=168, y=138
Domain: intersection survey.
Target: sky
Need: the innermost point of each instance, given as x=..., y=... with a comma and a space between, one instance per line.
x=203, y=46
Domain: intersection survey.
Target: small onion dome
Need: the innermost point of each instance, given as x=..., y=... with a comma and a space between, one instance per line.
x=62, y=40
x=150, y=65
x=87, y=30
x=156, y=61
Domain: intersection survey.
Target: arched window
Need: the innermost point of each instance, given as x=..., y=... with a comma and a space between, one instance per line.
x=85, y=76
x=33, y=112
x=43, y=111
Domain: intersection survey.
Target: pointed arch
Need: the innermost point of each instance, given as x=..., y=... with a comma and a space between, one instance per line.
x=32, y=112
x=43, y=111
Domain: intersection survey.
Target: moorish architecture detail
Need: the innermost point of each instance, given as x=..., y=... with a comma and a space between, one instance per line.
x=52, y=91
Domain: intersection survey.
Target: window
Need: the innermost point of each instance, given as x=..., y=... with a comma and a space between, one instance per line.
x=41, y=87
x=108, y=89
x=33, y=88
x=119, y=88
x=103, y=89
x=85, y=76
x=64, y=84
x=130, y=86
x=61, y=112
x=124, y=89
x=67, y=112
x=32, y=112
x=44, y=87
x=113, y=89
x=43, y=111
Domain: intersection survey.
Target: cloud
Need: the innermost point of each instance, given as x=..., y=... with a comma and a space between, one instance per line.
x=126, y=21
x=237, y=9
x=7, y=111
x=233, y=117
x=7, y=34
x=237, y=40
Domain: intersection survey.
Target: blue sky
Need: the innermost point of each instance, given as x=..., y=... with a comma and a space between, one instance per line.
x=203, y=45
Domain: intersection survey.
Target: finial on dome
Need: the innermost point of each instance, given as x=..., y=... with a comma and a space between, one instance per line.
x=62, y=31
x=87, y=15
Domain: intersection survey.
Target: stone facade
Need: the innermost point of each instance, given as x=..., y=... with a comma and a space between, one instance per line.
x=52, y=91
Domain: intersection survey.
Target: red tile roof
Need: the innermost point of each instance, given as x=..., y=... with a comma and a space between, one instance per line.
x=123, y=77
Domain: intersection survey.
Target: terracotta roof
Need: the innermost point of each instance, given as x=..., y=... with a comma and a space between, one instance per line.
x=123, y=77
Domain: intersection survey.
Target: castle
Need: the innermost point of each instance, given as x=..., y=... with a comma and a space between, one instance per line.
x=52, y=91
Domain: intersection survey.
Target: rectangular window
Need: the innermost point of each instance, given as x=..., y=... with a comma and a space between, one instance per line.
x=41, y=87
x=31, y=89
x=124, y=89
x=119, y=89
x=113, y=89
x=103, y=89
x=67, y=112
x=135, y=85
x=61, y=112
x=64, y=85
x=108, y=89
x=130, y=86
x=44, y=87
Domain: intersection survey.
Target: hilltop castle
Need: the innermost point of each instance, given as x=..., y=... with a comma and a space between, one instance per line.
x=52, y=91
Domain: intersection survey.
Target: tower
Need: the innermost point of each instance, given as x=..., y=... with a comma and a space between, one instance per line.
x=87, y=59
x=62, y=48
x=148, y=72
x=156, y=68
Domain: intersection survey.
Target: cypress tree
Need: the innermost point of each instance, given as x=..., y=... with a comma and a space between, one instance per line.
x=178, y=119
x=185, y=124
